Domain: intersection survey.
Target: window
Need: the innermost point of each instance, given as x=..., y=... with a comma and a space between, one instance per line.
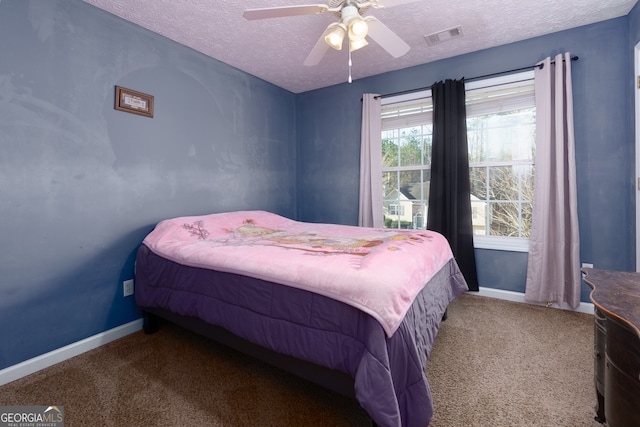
x=501, y=137
x=406, y=162
x=396, y=209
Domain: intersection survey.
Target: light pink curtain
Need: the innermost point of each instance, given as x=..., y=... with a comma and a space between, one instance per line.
x=370, y=205
x=553, y=272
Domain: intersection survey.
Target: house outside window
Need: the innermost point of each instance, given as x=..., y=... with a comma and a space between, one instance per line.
x=501, y=138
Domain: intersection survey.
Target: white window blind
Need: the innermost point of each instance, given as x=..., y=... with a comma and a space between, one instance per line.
x=407, y=112
x=480, y=101
x=498, y=97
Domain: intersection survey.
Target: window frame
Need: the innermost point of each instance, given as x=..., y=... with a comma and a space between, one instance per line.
x=417, y=118
x=504, y=243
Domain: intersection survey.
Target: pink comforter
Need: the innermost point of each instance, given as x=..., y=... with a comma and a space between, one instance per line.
x=379, y=271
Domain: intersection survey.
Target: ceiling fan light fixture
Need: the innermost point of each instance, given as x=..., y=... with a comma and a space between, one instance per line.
x=351, y=18
x=335, y=35
x=357, y=44
x=358, y=29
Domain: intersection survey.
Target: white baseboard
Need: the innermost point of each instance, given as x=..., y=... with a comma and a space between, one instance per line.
x=584, y=307
x=38, y=363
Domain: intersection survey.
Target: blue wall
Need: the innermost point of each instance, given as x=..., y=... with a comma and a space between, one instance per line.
x=634, y=26
x=81, y=183
x=329, y=137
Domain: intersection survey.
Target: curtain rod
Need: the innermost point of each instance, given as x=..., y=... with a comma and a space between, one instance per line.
x=515, y=70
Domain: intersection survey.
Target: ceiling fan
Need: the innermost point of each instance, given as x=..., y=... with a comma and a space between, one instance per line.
x=351, y=24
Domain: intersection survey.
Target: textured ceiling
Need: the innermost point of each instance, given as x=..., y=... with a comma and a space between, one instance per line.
x=275, y=49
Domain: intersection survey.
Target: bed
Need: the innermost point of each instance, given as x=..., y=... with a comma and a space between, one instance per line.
x=353, y=309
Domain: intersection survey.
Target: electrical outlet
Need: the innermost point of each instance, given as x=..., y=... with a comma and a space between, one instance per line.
x=127, y=287
x=587, y=265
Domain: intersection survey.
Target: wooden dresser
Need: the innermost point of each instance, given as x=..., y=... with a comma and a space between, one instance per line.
x=616, y=297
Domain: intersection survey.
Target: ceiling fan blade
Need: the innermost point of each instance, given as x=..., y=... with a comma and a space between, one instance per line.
x=390, y=3
x=318, y=51
x=386, y=38
x=279, y=11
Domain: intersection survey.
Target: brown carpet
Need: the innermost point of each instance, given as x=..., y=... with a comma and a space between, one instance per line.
x=495, y=363
x=504, y=364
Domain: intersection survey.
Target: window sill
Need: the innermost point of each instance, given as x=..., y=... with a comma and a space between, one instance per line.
x=511, y=244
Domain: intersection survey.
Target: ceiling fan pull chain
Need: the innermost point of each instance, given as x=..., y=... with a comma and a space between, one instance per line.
x=350, y=63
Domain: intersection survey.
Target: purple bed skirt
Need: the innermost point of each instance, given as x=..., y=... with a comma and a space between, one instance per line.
x=388, y=373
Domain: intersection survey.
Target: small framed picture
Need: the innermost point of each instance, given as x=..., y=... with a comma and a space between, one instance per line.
x=134, y=102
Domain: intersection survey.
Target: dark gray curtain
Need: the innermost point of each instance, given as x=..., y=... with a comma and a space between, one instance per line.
x=449, y=210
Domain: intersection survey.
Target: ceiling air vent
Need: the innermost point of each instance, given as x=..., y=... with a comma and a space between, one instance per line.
x=443, y=36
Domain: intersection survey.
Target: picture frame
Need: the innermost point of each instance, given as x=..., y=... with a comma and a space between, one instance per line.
x=134, y=102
